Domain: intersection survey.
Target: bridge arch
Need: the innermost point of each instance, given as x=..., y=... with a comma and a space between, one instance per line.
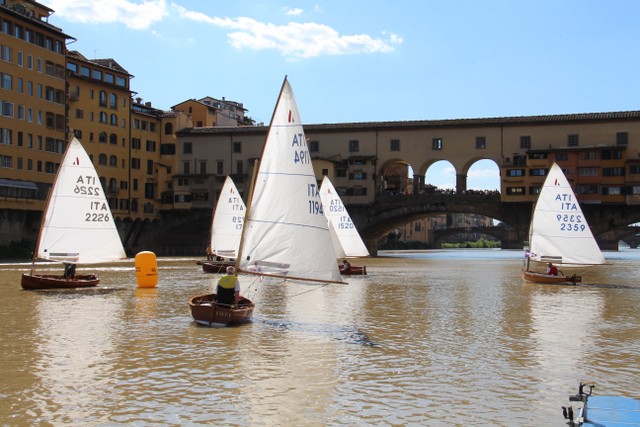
x=427, y=166
x=461, y=172
x=483, y=163
x=394, y=177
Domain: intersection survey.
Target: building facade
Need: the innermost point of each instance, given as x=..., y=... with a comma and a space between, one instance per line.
x=49, y=94
x=99, y=105
x=151, y=161
x=209, y=111
x=33, y=102
x=600, y=153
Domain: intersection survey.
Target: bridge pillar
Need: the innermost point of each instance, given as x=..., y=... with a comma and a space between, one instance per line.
x=461, y=183
x=372, y=246
x=418, y=183
x=607, y=241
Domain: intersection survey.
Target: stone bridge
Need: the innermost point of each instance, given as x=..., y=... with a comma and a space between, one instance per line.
x=630, y=235
x=500, y=232
x=187, y=232
x=608, y=222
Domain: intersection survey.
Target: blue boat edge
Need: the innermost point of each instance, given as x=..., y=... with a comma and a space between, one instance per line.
x=601, y=411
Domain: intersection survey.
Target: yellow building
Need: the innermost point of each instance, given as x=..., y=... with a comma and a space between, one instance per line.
x=209, y=111
x=99, y=101
x=33, y=103
x=131, y=143
x=153, y=158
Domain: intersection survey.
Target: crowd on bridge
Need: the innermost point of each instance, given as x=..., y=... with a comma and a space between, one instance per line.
x=441, y=191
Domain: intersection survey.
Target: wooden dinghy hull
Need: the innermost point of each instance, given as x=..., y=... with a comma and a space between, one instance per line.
x=205, y=311
x=217, y=266
x=542, y=278
x=52, y=281
x=355, y=271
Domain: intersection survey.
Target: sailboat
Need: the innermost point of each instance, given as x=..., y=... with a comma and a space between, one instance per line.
x=559, y=232
x=226, y=229
x=349, y=242
x=77, y=224
x=285, y=233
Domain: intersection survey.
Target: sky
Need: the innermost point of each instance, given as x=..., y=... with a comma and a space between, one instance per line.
x=368, y=61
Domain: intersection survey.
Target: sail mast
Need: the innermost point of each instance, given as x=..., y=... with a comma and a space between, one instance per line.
x=46, y=207
x=256, y=168
x=256, y=165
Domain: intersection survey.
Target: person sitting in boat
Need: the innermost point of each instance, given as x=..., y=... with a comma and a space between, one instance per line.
x=69, y=270
x=552, y=270
x=346, y=266
x=228, y=289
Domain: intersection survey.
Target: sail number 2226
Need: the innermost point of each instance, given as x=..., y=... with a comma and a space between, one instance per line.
x=96, y=217
x=569, y=222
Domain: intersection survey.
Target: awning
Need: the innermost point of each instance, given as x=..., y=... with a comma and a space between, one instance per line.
x=18, y=184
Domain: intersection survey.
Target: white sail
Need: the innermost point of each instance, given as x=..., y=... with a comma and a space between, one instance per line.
x=226, y=227
x=559, y=231
x=341, y=222
x=335, y=241
x=285, y=231
x=78, y=226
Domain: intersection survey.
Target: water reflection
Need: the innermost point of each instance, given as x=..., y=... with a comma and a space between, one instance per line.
x=563, y=320
x=73, y=338
x=436, y=338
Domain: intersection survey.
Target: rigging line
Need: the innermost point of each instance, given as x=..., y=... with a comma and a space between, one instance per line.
x=292, y=224
x=251, y=290
x=250, y=287
x=271, y=173
x=311, y=290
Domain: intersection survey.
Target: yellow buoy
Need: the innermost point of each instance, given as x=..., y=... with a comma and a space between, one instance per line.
x=146, y=269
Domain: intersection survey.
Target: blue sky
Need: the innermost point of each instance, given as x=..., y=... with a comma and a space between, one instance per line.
x=362, y=60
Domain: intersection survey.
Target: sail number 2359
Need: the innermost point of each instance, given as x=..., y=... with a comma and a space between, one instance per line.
x=570, y=222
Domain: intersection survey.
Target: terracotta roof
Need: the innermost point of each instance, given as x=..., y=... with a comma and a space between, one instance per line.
x=416, y=124
x=109, y=63
x=105, y=62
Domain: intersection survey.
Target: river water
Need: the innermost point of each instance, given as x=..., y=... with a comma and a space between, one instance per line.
x=437, y=338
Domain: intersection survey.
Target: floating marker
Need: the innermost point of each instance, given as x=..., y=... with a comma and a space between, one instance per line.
x=146, y=269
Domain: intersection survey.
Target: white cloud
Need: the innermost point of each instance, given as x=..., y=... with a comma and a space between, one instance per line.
x=394, y=38
x=135, y=15
x=449, y=170
x=446, y=185
x=483, y=173
x=293, y=11
x=293, y=40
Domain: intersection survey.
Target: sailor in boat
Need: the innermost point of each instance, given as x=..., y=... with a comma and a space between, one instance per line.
x=228, y=289
x=209, y=253
x=552, y=270
x=69, y=271
x=346, y=266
